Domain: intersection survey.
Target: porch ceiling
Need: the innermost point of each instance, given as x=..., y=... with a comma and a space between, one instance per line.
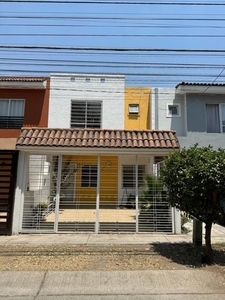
x=59, y=138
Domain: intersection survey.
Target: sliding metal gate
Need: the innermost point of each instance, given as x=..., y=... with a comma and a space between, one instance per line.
x=8, y=169
x=85, y=206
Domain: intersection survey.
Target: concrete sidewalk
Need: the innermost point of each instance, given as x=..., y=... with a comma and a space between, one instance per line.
x=189, y=284
x=120, y=285
x=218, y=236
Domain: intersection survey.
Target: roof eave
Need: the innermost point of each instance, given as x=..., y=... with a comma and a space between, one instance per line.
x=199, y=89
x=55, y=150
x=23, y=85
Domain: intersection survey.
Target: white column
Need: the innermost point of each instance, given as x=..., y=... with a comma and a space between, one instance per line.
x=136, y=191
x=176, y=221
x=97, y=197
x=21, y=185
x=58, y=185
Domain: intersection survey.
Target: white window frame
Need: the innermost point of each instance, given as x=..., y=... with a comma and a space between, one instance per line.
x=221, y=124
x=168, y=111
x=86, y=110
x=133, y=112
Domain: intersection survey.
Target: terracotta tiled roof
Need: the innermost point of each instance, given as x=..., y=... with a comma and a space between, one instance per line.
x=22, y=79
x=200, y=84
x=97, y=138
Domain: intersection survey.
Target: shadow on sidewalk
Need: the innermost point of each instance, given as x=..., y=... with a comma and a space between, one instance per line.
x=189, y=255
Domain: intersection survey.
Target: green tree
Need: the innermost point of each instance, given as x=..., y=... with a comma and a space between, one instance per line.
x=195, y=179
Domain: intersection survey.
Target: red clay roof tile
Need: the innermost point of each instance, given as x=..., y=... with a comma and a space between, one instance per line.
x=95, y=138
x=22, y=79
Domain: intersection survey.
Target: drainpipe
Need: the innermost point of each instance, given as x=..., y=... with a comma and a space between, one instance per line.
x=58, y=193
x=97, y=197
x=136, y=192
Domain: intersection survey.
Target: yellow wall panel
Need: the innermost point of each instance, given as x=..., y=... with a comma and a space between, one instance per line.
x=140, y=96
x=108, y=179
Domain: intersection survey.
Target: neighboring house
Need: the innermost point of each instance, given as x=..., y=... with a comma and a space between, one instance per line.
x=195, y=110
x=23, y=102
x=86, y=169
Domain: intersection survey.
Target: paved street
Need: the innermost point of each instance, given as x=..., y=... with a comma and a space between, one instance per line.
x=188, y=284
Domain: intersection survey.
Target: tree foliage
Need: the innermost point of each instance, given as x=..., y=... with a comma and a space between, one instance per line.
x=195, y=179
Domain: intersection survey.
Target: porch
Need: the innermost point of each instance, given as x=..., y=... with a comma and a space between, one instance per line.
x=73, y=190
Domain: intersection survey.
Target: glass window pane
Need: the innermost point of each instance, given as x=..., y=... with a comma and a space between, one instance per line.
x=213, y=120
x=16, y=108
x=93, y=176
x=173, y=110
x=85, y=176
x=4, y=107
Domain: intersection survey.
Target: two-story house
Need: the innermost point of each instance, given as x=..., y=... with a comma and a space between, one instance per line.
x=85, y=170
x=23, y=102
x=195, y=110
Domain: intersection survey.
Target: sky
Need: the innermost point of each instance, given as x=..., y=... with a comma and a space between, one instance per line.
x=56, y=34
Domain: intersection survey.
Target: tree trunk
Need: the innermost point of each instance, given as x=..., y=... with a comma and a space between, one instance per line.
x=208, y=258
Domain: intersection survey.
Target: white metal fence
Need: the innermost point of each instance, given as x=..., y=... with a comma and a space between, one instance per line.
x=93, y=194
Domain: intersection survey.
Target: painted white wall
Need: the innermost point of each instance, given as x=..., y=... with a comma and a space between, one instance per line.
x=160, y=97
x=67, y=87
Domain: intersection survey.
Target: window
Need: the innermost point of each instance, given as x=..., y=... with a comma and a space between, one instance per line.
x=86, y=114
x=215, y=115
x=129, y=175
x=102, y=80
x=173, y=110
x=133, y=108
x=11, y=113
x=88, y=79
x=89, y=176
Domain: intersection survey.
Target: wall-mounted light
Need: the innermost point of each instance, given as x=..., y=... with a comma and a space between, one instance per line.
x=108, y=164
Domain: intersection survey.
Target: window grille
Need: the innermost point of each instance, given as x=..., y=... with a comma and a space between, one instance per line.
x=86, y=114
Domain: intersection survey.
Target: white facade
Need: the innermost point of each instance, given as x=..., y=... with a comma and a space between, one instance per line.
x=109, y=89
x=160, y=99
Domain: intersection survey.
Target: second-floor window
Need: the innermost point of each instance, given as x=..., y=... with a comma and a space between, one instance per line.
x=86, y=114
x=11, y=113
x=215, y=114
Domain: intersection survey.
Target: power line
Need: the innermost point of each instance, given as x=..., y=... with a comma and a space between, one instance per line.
x=113, y=49
x=124, y=64
x=109, y=2
x=110, y=18
x=114, y=35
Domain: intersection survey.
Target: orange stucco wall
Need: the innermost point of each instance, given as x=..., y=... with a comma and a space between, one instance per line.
x=36, y=108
